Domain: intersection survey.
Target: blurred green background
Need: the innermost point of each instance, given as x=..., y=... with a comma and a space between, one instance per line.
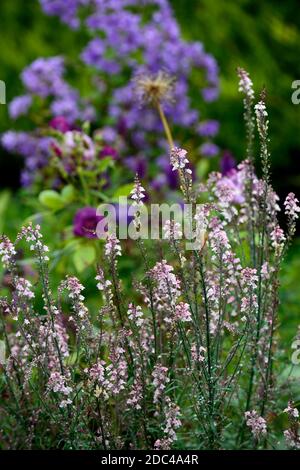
x=261, y=36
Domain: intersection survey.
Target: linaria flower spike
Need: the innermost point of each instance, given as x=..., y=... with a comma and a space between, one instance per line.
x=137, y=194
x=261, y=118
x=292, y=208
x=179, y=160
x=256, y=423
x=245, y=84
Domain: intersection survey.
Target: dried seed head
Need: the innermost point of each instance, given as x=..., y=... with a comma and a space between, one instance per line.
x=156, y=88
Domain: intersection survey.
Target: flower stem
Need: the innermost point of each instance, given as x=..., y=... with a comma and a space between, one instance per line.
x=166, y=125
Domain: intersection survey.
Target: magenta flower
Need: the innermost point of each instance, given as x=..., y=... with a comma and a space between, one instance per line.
x=108, y=151
x=85, y=222
x=227, y=163
x=60, y=124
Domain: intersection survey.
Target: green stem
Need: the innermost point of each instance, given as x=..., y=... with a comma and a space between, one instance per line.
x=166, y=125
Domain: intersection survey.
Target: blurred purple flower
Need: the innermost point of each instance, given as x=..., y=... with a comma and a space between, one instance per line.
x=209, y=149
x=66, y=106
x=122, y=216
x=208, y=128
x=35, y=150
x=227, y=163
x=85, y=222
x=159, y=182
x=19, y=106
x=60, y=124
x=235, y=181
x=43, y=77
x=172, y=177
x=109, y=134
x=108, y=151
x=138, y=165
x=66, y=9
x=210, y=94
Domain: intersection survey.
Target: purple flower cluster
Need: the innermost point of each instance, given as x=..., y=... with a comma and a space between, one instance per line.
x=130, y=38
x=127, y=45
x=44, y=78
x=159, y=45
x=85, y=222
x=256, y=423
x=35, y=150
x=66, y=10
x=20, y=106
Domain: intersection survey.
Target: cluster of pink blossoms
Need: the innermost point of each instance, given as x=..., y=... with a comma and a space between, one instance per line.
x=292, y=435
x=160, y=380
x=33, y=236
x=7, y=251
x=179, y=160
x=135, y=314
x=170, y=410
x=136, y=394
x=138, y=193
x=198, y=353
x=57, y=384
x=172, y=423
x=109, y=378
x=183, y=312
x=245, y=83
x=256, y=423
x=277, y=238
x=80, y=311
x=112, y=247
x=24, y=288
x=168, y=288
x=53, y=338
x=291, y=205
x=172, y=230
x=261, y=118
x=249, y=281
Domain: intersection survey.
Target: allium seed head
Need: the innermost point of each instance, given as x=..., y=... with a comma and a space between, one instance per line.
x=156, y=88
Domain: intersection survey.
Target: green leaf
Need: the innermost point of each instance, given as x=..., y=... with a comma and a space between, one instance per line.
x=71, y=360
x=37, y=217
x=104, y=164
x=202, y=168
x=99, y=195
x=51, y=199
x=86, y=127
x=4, y=201
x=68, y=194
x=123, y=190
x=83, y=257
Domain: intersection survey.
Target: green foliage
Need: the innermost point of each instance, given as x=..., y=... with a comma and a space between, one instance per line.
x=84, y=256
x=51, y=199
